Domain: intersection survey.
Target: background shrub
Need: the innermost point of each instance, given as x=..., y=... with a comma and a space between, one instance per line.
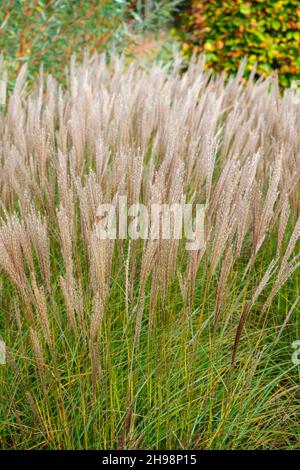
x=268, y=32
x=50, y=31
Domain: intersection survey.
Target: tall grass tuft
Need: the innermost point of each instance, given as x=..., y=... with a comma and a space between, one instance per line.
x=142, y=343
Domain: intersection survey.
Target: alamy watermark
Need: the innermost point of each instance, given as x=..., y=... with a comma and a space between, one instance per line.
x=173, y=221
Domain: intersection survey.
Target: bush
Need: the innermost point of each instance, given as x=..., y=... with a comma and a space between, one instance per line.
x=268, y=32
x=49, y=32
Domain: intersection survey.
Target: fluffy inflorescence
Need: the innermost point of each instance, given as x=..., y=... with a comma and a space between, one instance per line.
x=153, y=136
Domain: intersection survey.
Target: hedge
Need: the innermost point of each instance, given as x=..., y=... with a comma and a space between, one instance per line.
x=267, y=32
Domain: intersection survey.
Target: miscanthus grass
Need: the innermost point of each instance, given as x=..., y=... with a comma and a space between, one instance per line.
x=141, y=343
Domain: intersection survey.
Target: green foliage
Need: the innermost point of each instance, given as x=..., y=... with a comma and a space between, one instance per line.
x=154, y=15
x=50, y=31
x=267, y=32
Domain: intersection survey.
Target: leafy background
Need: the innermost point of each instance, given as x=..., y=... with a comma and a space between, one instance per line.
x=268, y=32
x=50, y=31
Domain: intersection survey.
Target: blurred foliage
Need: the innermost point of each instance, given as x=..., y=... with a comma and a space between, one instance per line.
x=268, y=32
x=48, y=32
x=149, y=22
x=154, y=15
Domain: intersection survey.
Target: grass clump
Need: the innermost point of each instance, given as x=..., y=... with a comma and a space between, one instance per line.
x=142, y=343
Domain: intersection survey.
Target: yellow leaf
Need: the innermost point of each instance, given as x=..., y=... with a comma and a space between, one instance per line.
x=209, y=47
